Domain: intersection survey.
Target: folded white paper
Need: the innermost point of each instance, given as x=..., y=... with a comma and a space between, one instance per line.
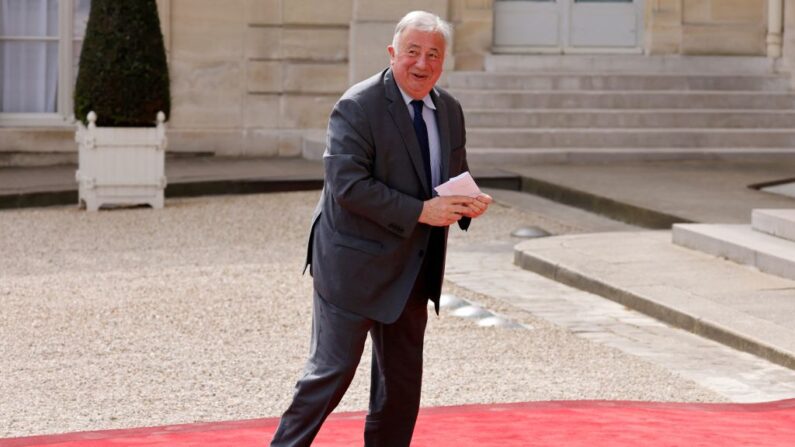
x=460, y=185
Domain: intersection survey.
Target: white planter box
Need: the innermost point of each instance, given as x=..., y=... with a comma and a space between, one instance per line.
x=121, y=165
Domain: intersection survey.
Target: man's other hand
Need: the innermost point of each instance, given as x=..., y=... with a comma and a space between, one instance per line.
x=478, y=206
x=444, y=211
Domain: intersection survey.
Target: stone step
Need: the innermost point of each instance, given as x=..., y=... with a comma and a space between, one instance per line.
x=506, y=156
x=313, y=148
x=779, y=223
x=785, y=189
x=521, y=99
x=601, y=63
x=740, y=307
x=571, y=81
x=37, y=159
x=741, y=244
x=315, y=145
x=630, y=138
x=640, y=118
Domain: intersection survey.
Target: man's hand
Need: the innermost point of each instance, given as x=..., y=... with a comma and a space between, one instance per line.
x=478, y=206
x=444, y=211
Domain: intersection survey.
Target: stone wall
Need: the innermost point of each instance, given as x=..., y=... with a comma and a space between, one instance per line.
x=714, y=27
x=253, y=77
x=250, y=76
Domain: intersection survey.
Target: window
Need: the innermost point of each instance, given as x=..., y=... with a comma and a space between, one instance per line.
x=40, y=43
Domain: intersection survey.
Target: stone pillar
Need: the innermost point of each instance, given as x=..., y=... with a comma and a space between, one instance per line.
x=775, y=22
x=371, y=31
x=719, y=27
x=663, y=32
x=473, y=21
x=708, y=27
x=788, y=38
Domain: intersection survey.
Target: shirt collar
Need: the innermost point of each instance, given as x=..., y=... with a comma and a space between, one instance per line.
x=427, y=101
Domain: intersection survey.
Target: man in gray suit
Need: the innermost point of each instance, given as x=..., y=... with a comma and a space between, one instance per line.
x=378, y=239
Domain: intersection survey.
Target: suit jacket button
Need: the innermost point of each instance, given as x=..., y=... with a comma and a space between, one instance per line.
x=422, y=253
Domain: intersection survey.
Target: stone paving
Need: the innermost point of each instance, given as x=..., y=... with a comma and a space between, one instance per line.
x=487, y=268
x=715, y=298
x=708, y=191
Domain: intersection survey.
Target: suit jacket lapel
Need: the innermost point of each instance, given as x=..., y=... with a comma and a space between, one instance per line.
x=397, y=108
x=443, y=124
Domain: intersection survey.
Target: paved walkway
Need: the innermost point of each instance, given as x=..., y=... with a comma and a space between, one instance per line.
x=698, y=191
x=488, y=269
x=187, y=177
x=733, y=304
x=178, y=171
x=644, y=193
x=573, y=424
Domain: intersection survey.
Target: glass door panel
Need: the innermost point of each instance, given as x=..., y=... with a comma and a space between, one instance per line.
x=561, y=26
x=604, y=23
x=28, y=56
x=527, y=23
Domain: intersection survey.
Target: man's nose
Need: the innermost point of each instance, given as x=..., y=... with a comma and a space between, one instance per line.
x=422, y=61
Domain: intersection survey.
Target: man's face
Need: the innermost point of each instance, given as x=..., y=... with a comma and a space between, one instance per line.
x=417, y=62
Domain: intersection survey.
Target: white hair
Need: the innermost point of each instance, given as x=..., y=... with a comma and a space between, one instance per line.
x=423, y=21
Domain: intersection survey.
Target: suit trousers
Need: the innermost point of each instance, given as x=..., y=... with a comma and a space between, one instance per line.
x=338, y=338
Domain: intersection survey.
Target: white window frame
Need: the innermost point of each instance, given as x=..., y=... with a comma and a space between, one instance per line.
x=64, y=114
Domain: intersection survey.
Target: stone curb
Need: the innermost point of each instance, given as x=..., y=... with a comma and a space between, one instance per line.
x=624, y=212
x=38, y=199
x=173, y=190
x=700, y=325
x=197, y=188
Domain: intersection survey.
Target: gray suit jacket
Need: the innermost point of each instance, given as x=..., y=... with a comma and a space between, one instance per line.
x=366, y=246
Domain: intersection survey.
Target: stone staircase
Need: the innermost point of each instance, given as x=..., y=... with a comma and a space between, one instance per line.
x=584, y=108
x=767, y=244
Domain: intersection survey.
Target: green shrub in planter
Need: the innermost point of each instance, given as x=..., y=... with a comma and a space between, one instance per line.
x=123, y=74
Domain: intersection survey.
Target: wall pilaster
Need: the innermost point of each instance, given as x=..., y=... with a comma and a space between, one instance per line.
x=788, y=38
x=474, y=28
x=714, y=27
x=663, y=22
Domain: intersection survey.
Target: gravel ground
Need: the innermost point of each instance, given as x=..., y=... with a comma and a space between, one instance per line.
x=199, y=312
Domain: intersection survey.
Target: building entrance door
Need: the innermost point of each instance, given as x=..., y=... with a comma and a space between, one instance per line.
x=568, y=26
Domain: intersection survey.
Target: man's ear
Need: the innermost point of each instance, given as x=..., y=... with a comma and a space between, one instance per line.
x=391, y=50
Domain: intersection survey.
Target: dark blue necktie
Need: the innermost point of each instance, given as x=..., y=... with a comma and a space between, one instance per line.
x=422, y=137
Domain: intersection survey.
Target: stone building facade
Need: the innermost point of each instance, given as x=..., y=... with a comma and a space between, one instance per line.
x=253, y=77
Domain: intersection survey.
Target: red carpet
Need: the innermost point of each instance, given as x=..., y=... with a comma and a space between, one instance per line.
x=569, y=424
